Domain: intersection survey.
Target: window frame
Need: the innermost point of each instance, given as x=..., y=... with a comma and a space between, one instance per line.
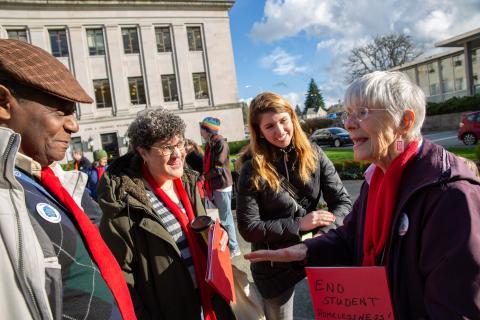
x=160, y=34
x=63, y=52
x=169, y=78
x=132, y=49
x=138, y=82
x=104, y=103
x=98, y=52
x=8, y=30
x=194, y=45
x=198, y=84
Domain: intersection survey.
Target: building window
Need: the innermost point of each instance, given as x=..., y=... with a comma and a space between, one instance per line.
x=194, y=35
x=164, y=42
x=76, y=143
x=200, y=85
x=18, y=34
x=130, y=40
x=411, y=74
x=59, y=43
x=423, y=79
x=103, y=97
x=433, y=78
x=137, y=90
x=446, y=68
x=110, y=144
x=169, y=86
x=96, y=45
x=459, y=72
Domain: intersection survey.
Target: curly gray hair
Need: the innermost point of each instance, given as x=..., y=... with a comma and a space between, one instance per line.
x=151, y=126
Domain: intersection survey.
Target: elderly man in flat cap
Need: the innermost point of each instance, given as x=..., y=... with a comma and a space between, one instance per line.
x=53, y=262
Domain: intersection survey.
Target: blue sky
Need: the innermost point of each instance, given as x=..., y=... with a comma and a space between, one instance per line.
x=280, y=44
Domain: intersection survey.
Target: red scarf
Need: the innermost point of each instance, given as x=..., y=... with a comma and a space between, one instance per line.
x=381, y=202
x=103, y=257
x=100, y=171
x=199, y=258
x=206, y=168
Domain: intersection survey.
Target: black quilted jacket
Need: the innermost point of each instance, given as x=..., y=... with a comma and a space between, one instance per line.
x=268, y=219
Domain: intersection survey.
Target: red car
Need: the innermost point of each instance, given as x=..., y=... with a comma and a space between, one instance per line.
x=469, y=131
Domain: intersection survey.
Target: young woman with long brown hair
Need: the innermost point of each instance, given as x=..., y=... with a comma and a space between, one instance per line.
x=278, y=193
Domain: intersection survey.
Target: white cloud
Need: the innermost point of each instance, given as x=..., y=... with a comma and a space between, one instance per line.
x=282, y=63
x=340, y=25
x=295, y=98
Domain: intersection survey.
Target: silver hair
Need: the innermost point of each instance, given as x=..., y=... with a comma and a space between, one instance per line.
x=391, y=90
x=151, y=126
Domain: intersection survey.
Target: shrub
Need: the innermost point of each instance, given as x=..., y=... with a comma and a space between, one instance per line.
x=453, y=105
x=477, y=152
x=235, y=146
x=310, y=125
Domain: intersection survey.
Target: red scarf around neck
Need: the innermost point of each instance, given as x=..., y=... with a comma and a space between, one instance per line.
x=199, y=257
x=100, y=171
x=101, y=254
x=381, y=202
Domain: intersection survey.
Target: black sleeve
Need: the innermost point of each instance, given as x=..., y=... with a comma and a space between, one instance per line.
x=250, y=225
x=334, y=192
x=91, y=208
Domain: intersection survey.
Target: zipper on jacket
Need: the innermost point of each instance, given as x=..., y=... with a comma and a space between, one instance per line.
x=21, y=264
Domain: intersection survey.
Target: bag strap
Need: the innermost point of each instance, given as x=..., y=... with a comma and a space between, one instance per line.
x=287, y=186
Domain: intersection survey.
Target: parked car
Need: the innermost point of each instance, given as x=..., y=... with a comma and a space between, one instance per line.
x=334, y=136
x=469, y=131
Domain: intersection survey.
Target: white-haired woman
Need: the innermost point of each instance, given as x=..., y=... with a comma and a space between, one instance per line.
x=418, y=212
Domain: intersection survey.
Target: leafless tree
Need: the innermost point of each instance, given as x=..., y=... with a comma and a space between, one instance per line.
x=383, y=53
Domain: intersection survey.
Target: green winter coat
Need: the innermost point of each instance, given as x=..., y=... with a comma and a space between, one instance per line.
x=159, y=282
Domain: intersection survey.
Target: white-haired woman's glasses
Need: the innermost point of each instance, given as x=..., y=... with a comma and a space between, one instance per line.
x=359, y=114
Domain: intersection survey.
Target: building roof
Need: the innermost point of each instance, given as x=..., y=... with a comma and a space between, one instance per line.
x=422, y=59
x=167, y=3
x=461, y=39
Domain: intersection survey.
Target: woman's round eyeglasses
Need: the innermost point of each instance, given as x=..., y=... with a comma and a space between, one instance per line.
x=168, y=149
x=359, y=114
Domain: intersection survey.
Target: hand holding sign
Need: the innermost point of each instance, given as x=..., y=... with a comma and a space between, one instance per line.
x=297, y=252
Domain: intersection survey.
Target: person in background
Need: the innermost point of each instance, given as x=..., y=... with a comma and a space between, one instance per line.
x=418, y=212
x=194, y=157
x=80, y=162
x=96, y=171
x=148, y=200
x=218, y=178
x=279, y=189
x=53, y=261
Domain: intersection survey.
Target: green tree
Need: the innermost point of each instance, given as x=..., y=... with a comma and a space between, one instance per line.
x=298, y=111
x=314, y=99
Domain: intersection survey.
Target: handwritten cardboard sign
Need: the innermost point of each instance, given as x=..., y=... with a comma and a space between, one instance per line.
x=350, y=293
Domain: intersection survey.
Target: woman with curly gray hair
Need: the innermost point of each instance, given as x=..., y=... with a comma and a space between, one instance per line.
x=149, y=200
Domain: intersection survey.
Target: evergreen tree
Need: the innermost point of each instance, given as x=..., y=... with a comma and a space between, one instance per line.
x=314, y=98
x=298, y=111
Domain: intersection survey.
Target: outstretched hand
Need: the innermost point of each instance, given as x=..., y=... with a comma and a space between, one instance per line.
x=315, y=219
x=297, y=252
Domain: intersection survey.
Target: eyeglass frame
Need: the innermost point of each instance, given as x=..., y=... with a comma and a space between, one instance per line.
x=346, y=115
x=167, y=149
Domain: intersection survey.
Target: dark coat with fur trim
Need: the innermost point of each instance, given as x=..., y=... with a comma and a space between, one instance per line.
x=159, y=282
x=433, y=256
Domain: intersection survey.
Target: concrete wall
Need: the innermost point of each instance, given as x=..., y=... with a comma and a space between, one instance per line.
x=442, y=122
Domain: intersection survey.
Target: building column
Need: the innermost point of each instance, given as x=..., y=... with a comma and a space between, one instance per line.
x=151, y=76
x=467, y=54
x=118, y=85
x=183, y=74
x=38, y=37
x=79, y=61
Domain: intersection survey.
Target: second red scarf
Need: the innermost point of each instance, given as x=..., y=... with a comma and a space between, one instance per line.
x=381, y=202
x=199, y=258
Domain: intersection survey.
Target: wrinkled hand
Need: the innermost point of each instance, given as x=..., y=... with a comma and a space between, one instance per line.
x=315, y=219
x=297, y=252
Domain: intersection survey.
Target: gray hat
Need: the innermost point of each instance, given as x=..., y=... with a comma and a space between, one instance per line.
x=34, y=67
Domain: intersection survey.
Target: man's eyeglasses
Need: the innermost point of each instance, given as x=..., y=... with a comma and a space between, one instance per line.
x=359, y=114
x=168, y=149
